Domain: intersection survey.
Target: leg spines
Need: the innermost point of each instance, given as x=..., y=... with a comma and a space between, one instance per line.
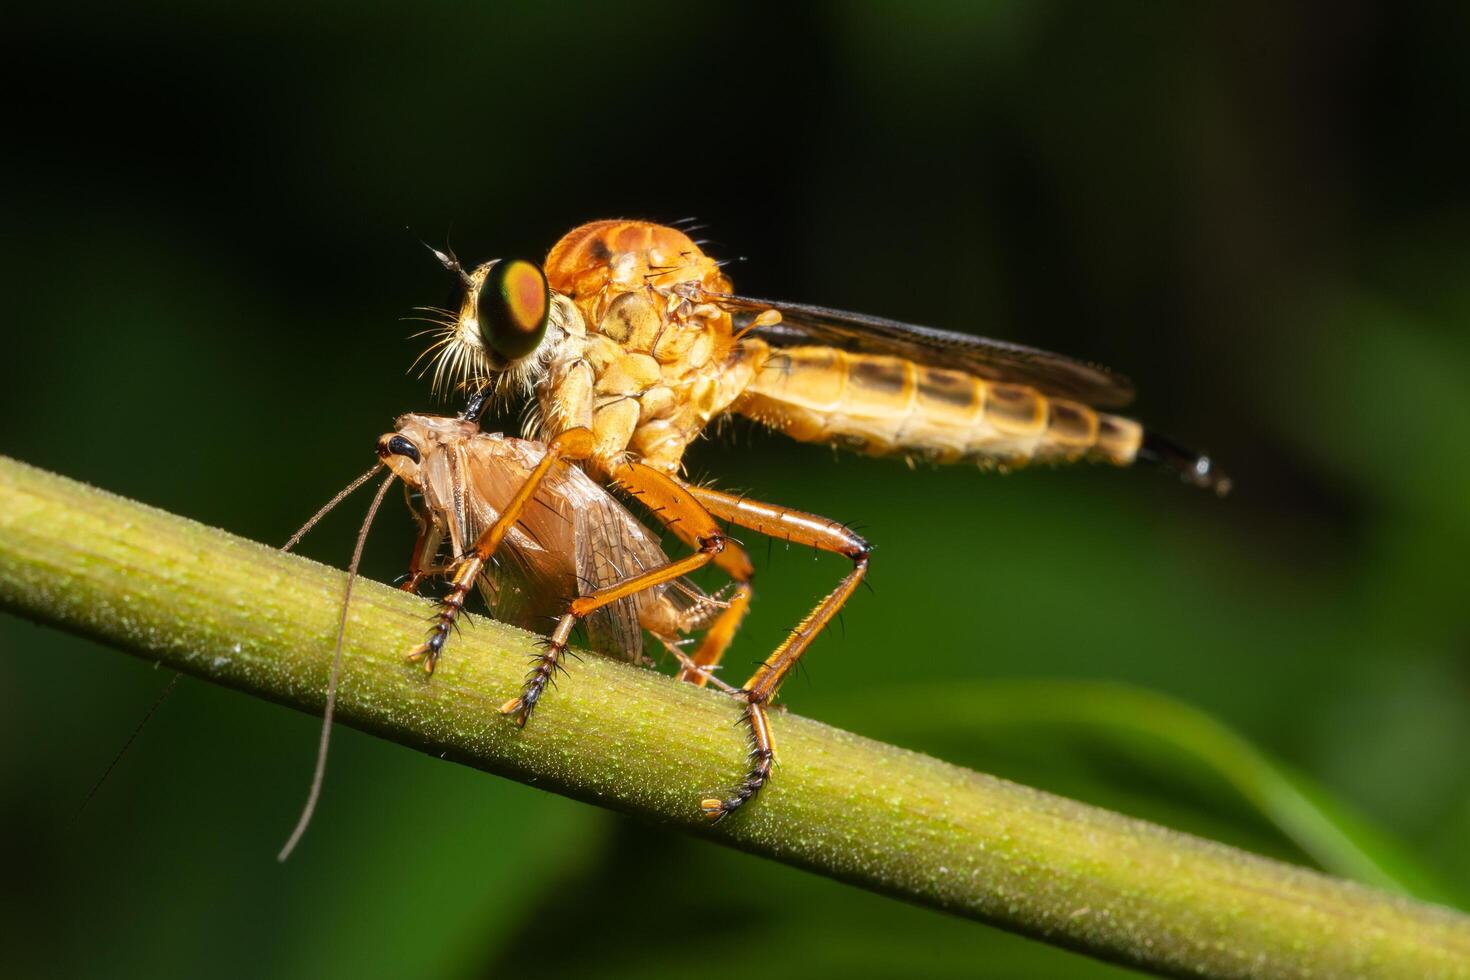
x=762, y=757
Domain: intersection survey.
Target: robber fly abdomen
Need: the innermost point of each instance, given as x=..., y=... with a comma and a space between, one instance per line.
x=884, y=405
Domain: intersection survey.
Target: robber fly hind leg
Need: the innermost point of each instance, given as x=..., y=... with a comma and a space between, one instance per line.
x=761, y=688
x=574, y=444
x=656, y=491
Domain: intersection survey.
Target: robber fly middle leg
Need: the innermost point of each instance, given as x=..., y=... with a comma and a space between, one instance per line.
x=574, y=444
x=677, y=508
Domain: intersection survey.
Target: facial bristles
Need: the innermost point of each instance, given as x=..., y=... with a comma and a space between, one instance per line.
x=457, y=362
x=455, y=358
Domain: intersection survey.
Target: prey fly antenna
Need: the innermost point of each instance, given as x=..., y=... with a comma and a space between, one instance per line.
x=173, y=681
x=162, y=697
x=321, y=754
x=327, y=507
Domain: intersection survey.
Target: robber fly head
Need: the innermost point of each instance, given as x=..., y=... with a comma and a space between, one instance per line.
x=507, y=321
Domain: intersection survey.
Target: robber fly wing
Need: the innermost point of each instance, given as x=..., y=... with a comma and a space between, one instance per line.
x=993, y=360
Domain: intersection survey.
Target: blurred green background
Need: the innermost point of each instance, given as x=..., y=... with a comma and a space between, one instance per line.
x=1259, y=211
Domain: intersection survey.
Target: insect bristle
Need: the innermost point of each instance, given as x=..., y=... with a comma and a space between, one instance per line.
x=454, y=360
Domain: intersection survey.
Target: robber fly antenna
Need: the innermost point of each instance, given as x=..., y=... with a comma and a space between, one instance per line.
x=450, y=261
x=320, y=772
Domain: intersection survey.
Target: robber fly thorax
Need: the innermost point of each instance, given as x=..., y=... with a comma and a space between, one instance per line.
x=629, y=341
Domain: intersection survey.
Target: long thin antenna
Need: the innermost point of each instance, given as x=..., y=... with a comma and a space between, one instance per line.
x=174, y=680
x=327, y=507
x=162, y=696
x=321, y=753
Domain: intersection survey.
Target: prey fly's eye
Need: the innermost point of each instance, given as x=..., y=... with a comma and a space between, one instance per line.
x=513, y=307
x=399, y=446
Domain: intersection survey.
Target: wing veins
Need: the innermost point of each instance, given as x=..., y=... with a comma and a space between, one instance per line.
x=993, y=360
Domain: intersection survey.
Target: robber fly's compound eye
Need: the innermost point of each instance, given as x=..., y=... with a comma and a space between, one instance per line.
x=398, y=446
x=513, y=308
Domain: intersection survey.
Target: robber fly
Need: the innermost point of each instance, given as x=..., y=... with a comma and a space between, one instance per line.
x=629, y=341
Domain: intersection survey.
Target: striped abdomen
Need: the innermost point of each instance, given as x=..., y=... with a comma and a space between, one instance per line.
x=888, y=405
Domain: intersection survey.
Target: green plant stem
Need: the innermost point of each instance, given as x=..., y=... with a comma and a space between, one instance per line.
x=1010, y=708
x=880, y=817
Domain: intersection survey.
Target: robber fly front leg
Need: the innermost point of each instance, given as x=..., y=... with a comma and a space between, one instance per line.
x=574, y=444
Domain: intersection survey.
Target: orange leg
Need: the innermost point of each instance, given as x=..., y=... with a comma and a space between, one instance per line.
x=808, y=529
x=546, y=665
x=572, y=444
x=678, y=506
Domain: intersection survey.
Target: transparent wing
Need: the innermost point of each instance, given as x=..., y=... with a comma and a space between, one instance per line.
x=572, y=539
x=532, y=574
x=610, y=547
x=517, y=595
x=994, y=360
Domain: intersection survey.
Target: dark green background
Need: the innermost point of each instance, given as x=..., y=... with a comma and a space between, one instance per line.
x=1261, y=212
